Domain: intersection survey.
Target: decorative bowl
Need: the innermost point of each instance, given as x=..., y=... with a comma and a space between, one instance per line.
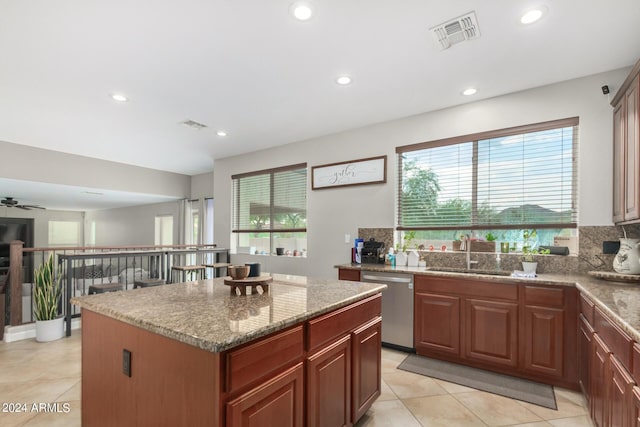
x=239, y=272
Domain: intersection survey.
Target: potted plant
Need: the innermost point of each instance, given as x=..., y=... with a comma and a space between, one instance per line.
x=47, y=291
x=401, y=251
x=529, y=264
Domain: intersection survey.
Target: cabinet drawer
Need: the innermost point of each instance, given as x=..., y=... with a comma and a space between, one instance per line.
x=586, y=308
x=263, y=359
x=466, y=287
x=617, y=340
x=548, y=297
x=339, y=322
x=345, y=274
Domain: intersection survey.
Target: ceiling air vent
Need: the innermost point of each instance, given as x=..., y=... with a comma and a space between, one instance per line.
x=194, y=124
x=457, y=30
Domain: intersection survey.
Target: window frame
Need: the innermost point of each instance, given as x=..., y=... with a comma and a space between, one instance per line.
x=481, y=136
x=271, y=230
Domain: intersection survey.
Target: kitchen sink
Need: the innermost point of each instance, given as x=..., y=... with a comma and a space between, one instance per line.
x=470, y=271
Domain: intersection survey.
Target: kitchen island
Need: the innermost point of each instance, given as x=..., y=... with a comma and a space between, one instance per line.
x=305, y=352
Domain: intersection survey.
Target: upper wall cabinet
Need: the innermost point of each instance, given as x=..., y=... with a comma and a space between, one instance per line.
x=626, y=150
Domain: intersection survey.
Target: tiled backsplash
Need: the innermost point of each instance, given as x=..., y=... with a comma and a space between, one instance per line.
x=590, y=256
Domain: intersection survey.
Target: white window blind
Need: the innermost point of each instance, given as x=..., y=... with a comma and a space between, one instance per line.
x=272, y=205
x=523, y=177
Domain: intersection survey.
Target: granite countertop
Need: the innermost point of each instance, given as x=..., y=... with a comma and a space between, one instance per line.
x=205, y=314
x=620, y=300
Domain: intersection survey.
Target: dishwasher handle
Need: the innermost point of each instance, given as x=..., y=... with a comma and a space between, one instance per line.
x=385, y=279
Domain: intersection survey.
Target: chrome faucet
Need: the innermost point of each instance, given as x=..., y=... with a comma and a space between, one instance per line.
x=467, y=247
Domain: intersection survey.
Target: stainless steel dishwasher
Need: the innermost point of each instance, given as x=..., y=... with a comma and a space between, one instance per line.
x=397, y=308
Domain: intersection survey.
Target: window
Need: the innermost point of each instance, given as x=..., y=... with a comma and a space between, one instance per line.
x=64, y=233
x=499, y=182
x=270, y=211
x=164, y=230
x=195, y=221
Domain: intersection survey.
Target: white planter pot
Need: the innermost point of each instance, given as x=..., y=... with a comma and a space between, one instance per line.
x=401, y=259
x=49, y=330
x=413, y=258
x=529, y=267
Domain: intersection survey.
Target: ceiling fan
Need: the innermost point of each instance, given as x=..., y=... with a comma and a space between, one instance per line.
x=10, y=202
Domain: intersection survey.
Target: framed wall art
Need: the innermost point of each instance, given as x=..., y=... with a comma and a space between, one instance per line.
x=372, y=170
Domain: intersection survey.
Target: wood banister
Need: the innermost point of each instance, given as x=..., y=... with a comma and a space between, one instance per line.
x=15, y=281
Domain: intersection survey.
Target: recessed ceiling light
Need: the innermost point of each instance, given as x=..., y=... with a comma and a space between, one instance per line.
x=469, y=92
x=301, y=10
x=343, y=80
x=119, y=97
x=221, y=133
x=532, y=15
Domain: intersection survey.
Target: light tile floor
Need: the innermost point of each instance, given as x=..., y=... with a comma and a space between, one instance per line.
x=49, y=373
x=409, y=400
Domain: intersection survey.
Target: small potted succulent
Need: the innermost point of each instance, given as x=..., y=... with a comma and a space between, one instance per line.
x=529, y=263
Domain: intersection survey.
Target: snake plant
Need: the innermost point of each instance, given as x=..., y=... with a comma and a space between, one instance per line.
x=47, y=290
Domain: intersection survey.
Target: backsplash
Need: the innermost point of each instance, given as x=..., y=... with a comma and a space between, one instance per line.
x=590, y=256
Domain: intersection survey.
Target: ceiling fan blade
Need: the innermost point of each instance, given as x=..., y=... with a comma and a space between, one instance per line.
x=30, y=207
x=22, y=207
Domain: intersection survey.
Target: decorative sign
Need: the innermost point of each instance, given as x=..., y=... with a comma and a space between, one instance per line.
x=356, y=172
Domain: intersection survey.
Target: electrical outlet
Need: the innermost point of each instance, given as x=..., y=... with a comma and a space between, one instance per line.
x=610, y=247
x=126, y=362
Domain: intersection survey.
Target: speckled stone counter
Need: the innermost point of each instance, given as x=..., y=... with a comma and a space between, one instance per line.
x=621, y=301
x=205, y=314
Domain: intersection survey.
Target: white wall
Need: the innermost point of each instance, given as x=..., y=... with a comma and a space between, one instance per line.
x=202, y=186
x=39, y=165
x=136, y=225
x=130, y=226
x=333, y=213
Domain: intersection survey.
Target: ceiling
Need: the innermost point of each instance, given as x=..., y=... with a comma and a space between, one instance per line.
x=249, y=68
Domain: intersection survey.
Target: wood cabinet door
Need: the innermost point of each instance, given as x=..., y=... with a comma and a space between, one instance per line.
x=366, y=367
x=491, y=332
x=346, y=274
x=437, y=323
x=329, y=385
x=277, y=402
x=632, y=154
x=600, y=372
x=543, y=339
x=620, y=391
x=585, y=350
x=619, y=175
x=635, y=407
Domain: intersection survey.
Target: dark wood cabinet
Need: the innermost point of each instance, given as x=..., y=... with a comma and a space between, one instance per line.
x=366, y=367
x=279, y=401
x=605, y=376
x=325, y=371
x=347, y=274
x=620, y=394
x=343, y=367
x=585, y=350
x=626, y=150
x=635, y=407
x=507, y=327
x=329, y=385
x=544, y=336
x=550, y=322
x=491, y=331
x=437, y=323
x=600, y=372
